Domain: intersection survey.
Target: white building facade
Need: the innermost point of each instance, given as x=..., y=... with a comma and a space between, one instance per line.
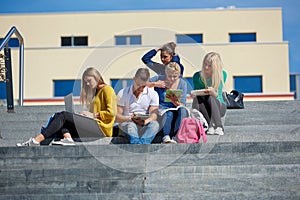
x=58, y=47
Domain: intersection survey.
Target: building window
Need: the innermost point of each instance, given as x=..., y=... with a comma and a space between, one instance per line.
x=65, y=87
x=128, y=40
x=242, y=37
x=74, y=41
x=248, y=84
x=13, y=42
x=189, y=38
x=294, y=84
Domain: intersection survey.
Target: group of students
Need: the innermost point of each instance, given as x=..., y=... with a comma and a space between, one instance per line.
x=146, y=96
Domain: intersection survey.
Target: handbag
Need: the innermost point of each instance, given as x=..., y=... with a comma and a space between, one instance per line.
x=234, y=99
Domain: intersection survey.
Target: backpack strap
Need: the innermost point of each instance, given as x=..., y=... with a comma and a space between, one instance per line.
x=201, y=131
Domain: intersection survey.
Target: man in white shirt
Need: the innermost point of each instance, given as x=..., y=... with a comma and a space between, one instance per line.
x=138, y=99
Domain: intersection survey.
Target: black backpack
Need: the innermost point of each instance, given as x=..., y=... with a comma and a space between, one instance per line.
x=234, y=99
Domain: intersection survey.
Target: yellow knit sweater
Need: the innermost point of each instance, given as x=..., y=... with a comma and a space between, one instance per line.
x=105, y=103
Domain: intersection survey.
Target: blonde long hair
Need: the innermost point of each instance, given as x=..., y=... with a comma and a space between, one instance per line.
x=217, y=68
x=86, y=93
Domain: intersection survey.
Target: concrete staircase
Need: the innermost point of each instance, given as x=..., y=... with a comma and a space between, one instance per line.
x=257, y=158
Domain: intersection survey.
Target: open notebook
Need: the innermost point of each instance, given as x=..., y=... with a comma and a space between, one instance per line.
x=86, y=127
x=201, y=92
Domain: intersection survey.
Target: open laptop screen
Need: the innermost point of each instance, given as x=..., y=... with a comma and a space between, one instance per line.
x=69, y=104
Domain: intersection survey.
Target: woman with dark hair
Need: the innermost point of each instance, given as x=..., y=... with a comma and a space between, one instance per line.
x=167, y=55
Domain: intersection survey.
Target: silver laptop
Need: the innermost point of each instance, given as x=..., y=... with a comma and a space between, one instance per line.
x=86, y=127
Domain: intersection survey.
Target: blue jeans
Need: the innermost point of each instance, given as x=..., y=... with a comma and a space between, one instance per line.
x=140, y=135
x=173, y=116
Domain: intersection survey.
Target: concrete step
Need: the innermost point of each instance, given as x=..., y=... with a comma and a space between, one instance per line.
x=152, y=170
x=21, y=125
x=12, y=135
x=265, y=119
x=257, y=158
x=46, y=168
x=264, y=110
x=151, y=157
x=196, y=194
x=205, y=184
x=245, y=117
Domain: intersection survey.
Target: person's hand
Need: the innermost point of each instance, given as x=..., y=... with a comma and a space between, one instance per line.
x=212, y=91
x=138, y=121
x=192, y=95
x=151, y=84
x=174, y=99
x=87, y=114
x=160, y=84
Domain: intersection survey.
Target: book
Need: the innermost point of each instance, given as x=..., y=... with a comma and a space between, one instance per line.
x=162, y=111
x=172, y=92
x=201, y=92
x=142, y=116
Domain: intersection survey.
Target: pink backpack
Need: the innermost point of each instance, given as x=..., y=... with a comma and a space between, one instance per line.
x=190, y=131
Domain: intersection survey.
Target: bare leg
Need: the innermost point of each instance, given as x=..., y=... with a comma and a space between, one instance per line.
x=67, y=135
x=39, y=138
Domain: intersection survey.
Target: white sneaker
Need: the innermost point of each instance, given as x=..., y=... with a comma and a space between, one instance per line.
x=219, y=131
x=167, y=140
x=28, y=143
x=64, y=142
x=210, y=131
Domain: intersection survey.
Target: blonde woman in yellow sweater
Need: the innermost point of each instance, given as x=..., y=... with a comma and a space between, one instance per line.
x=102, y=102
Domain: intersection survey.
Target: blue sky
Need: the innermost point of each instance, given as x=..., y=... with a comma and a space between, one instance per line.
x=291, y=12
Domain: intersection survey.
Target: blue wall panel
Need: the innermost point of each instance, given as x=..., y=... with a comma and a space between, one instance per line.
x=65, y=87
x=248, y=84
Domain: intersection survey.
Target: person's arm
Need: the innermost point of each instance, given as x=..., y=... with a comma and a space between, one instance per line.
x=147, y=58
x=157, y=81
x=152, y=81
x=183, y=87
x=120, y=117
x=87, y=114
x=156, y=67
x=110, y=99
x=182, y=101
x=174, y=99
x=121, y=104
x=196, y=81
x=220, y=90
x=212, y=91
x=153, y=110
x=224, y=75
